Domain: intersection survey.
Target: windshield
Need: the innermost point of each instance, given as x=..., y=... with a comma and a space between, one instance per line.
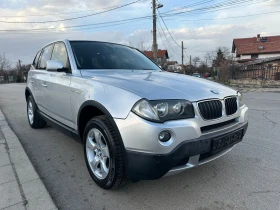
x=100, y=55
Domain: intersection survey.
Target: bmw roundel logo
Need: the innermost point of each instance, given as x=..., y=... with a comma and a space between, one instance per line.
x=215, y=92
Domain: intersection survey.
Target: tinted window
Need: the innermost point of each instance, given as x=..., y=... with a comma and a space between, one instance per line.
x=35, y=62
x=60, y=54
x=46, y=55
x=98, y=55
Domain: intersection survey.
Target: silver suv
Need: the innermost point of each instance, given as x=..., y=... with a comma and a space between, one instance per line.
x=135, y=121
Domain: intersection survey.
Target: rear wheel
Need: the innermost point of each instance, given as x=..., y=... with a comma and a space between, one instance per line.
x=34, y=119
x=103, y=153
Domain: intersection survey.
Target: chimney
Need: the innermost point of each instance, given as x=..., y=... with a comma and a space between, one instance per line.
x=258, y=38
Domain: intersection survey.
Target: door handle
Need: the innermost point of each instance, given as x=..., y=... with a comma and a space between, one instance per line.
x=75, y=91
x=44, y=85
x=31, y=81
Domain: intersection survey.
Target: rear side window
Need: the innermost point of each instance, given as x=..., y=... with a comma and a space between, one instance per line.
x=45, y=56
x=35, y=62
x=60, y=54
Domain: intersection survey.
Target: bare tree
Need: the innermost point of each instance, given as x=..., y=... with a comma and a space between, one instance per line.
x=195, y=60
x=223, y=51
x=4, y=63
x=210, y=56
x=141, y=45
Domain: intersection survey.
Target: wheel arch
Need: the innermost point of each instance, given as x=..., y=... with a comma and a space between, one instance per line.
x=28, y=93
x=97, y=109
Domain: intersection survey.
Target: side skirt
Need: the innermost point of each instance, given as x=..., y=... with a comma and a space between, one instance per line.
x=61, y=127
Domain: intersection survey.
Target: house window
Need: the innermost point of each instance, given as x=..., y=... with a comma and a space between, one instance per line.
x=264, y=39
x=269, y=66
x=254, y=56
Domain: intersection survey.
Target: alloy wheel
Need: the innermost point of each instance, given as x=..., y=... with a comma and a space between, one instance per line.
x=30, y=112
x=97, y=153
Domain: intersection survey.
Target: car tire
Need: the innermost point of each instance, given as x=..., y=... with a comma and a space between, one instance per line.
x=103, y=152
x=34, y=119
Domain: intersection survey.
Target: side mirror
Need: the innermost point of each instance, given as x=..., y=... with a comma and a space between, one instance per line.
x=53, y=65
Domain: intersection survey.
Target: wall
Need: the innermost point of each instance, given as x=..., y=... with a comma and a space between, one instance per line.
x=172, y=67
x=242, y=57
x=255, y=83
x=269, y=55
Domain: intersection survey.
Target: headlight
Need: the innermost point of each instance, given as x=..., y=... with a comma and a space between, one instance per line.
x=164, y=110
x=240, y=99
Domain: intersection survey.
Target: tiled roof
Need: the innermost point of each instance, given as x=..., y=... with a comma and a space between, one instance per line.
x=247, y=46
x=160, y=54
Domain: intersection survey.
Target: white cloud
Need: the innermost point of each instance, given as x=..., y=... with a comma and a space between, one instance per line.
x=197, y=36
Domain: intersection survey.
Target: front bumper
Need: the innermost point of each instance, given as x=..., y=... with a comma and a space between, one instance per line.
x=188, y=154
x=140, y=135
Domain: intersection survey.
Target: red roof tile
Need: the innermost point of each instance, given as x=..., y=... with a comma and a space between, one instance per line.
x=160, y=54
x=251, y=45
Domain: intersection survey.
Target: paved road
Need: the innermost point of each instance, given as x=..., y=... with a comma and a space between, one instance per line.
x=246, y=178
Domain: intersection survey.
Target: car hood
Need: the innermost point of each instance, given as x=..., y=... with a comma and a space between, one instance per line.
x=155, y=85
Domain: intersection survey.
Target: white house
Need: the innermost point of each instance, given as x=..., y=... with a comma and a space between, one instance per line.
x=248, y=49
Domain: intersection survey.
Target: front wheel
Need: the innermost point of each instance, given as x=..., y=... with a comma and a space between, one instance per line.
x=34, y=119
x=103, y=153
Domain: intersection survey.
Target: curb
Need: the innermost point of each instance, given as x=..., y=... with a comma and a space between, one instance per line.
x=20, y=186
x=260, y=90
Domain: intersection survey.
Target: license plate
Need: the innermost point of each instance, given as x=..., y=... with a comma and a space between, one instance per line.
x=227, y=140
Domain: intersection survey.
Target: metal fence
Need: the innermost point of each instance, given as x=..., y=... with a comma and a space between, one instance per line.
x=260, y=72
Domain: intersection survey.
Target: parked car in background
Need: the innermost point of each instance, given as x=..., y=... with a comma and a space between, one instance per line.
x=206, y=75
x=134, y=120
x=196, y=75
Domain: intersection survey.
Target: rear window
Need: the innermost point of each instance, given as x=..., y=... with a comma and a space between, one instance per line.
x=99, y=55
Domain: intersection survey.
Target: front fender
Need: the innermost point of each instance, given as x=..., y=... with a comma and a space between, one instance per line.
x=116, y=101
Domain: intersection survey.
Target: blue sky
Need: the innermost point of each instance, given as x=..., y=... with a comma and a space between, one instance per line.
x=203, y=25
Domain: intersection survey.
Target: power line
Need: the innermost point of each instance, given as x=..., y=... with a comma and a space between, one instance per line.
x=113, y=8
x=163, y=33
x=265, y=13
x=217, y=7
x=17, y=54
x=167, y=29
x=169, y=44
x=62, y=13
x=74, y=18
x=77, y=26
x=190, y=5
x=162, y=39
x=67, y=32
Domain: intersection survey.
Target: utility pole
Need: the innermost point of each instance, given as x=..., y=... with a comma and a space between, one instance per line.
x=19, y=71
x=191, y=63
x=155, y=46
x=183, y=69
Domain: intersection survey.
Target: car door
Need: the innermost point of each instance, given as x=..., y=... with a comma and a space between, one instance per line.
x=31, y=80
x=57, y=88
x=39, y=76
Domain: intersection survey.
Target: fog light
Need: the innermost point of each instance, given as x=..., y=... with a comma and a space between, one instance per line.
x=164, y=136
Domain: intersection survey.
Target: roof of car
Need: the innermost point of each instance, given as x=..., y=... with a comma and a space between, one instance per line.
x=69, y=40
